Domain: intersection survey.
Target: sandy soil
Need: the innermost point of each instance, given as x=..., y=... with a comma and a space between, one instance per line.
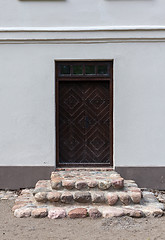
x=124, y=228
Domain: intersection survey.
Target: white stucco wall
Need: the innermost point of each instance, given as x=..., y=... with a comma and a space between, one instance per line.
x=36, y=13
x=33, y=34
x=27, y=101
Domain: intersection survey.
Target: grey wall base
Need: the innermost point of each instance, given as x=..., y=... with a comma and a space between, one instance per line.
x=16, y=177
x=145, y=177
x=23, y=177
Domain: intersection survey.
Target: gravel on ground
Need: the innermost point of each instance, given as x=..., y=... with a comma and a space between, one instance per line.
x=122, y=228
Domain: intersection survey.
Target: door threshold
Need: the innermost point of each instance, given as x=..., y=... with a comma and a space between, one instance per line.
x=84, y=169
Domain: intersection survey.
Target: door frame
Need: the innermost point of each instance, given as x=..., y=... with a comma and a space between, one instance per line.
x=79, y=78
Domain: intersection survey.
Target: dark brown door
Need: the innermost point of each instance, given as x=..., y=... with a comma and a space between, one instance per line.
x=84, y=123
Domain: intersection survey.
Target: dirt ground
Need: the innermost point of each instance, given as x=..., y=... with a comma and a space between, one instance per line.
x=123, y=228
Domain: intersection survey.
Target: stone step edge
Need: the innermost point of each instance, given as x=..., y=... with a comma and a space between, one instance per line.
x=59, y=181
x=25, y=204
x=110, y=198
x=84, y=186
x=81, y=212
x=102, y=185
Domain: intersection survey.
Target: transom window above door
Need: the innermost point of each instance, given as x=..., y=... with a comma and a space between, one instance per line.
x=84, y=69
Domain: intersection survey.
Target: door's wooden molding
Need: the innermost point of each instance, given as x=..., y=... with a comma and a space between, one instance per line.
x=70, y=116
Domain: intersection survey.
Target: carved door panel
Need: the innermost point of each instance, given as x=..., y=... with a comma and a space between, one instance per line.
x=85, y=123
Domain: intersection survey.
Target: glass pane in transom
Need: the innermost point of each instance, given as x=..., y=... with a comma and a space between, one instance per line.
x=65, y=69
x=102, y=69
x=90, y=69
x=77, y=69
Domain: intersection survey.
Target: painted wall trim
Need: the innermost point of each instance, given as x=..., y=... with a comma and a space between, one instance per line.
x=82, y=29
x=17, y=177
x=83, y=35
x=145, y=177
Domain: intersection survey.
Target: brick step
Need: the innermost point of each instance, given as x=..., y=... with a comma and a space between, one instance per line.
x=90, y=197
x=80, y=193
x=26, y=206
x=46, y=185
x=86, y=180
x=85, y=192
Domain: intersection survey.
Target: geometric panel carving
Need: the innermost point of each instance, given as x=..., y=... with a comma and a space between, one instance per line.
x=84, y=122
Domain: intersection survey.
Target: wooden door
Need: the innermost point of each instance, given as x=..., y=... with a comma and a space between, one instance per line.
x=84, y=122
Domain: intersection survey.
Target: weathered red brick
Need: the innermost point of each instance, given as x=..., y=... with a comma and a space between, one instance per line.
x=118, y=183
x=78, y=213
x=53, y=196
x=112, y=198
x=66, y=197
x=94, y=213
x=68, y=184
x=39, y=212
